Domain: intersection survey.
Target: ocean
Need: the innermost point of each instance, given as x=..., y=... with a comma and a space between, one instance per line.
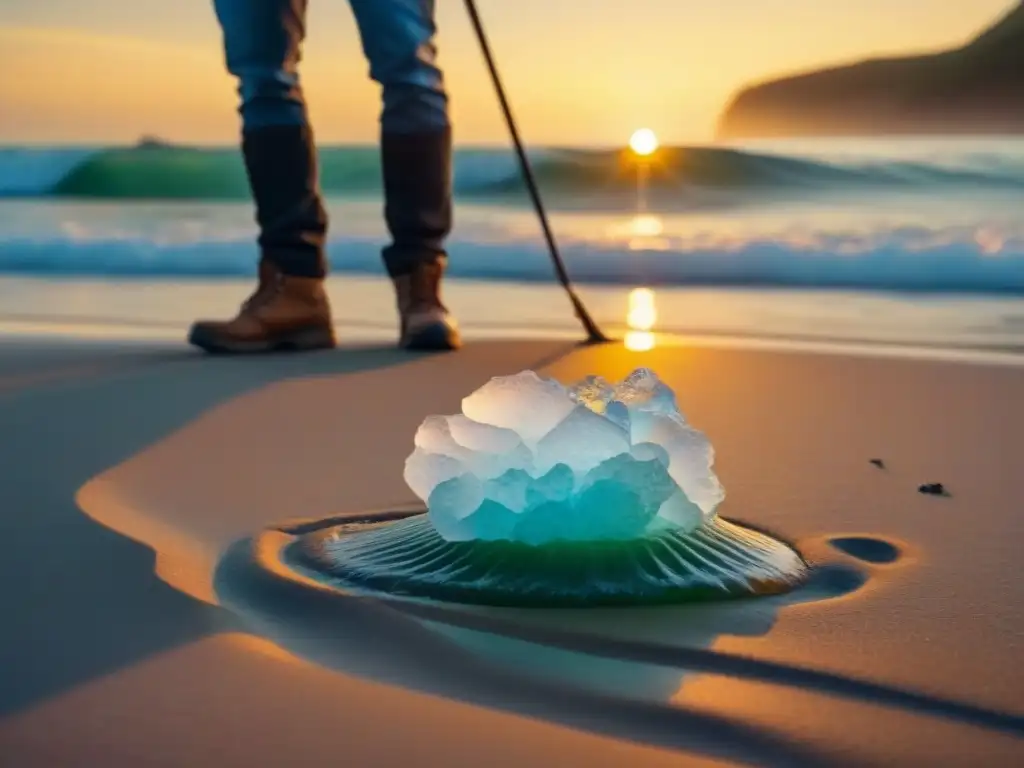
x=901, y=240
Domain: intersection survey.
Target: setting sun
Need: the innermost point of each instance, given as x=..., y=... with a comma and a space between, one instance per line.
x=643, y=142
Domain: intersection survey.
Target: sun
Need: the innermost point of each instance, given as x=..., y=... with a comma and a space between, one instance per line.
x=643, y=142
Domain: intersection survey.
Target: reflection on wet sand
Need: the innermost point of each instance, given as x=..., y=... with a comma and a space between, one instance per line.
x=640, y=319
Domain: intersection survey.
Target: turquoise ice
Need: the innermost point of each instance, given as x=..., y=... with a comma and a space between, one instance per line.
x=531, y=460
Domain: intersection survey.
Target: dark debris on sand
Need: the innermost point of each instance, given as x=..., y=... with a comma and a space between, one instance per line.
x=933, y=489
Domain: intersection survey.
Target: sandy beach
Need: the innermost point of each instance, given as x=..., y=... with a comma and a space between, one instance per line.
x=138, y=475
x=804, y=219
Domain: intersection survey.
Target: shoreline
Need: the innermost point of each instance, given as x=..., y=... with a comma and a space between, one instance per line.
x=172, y=337
x=160, y=311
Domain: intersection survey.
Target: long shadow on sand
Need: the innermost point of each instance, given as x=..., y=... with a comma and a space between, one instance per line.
x=480, y=663
x=607, y=671
x=80, y=600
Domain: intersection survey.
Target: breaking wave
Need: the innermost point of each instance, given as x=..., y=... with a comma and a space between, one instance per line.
x=894, y=261
x=185, y=173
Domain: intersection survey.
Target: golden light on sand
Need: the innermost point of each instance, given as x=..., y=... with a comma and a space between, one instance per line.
x=639, y=341
x=641, y=317
x=643, y=142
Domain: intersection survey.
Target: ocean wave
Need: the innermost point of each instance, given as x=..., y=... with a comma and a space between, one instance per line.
x=969, y=263
x=183, y=173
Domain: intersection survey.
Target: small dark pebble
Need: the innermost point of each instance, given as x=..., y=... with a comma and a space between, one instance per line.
x=878, y=463
x=933, y=489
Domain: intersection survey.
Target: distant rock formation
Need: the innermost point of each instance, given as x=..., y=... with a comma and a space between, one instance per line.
x=975, y=89
x=152, y=142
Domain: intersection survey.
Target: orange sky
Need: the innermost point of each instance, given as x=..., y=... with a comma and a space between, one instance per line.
x=579, y=72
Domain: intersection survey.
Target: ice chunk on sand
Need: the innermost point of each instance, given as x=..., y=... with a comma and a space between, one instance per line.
x=482, y=449
x=475, y=436
x=425, y=471
x=451, y=502
x=583, y=439
x=593, y=392
x=691, y=457
x=533, y=461
x=556, y=485
x=642, y=391
x=525, y=402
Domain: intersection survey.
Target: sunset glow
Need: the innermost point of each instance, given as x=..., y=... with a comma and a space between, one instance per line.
x=100, y=71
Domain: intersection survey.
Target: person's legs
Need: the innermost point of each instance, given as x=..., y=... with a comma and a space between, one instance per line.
x=262, y=40
x=416, y=158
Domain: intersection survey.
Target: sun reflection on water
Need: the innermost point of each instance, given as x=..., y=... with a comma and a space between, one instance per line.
x=642, y=232
x=640, y=318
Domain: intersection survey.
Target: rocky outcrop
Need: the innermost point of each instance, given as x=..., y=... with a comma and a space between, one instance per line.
x=975, y=89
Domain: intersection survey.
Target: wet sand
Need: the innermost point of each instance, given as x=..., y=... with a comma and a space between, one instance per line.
x=135, y=476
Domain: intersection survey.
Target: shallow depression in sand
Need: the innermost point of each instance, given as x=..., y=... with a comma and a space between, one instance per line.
x=628, y=653
x=867, y=548
x=407, y=558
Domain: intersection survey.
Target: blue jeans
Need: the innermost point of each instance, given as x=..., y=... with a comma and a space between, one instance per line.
x=262, y=44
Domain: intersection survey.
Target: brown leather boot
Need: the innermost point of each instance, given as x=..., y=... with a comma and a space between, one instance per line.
x=269, y=274
x=425, y=323
x=288, y=313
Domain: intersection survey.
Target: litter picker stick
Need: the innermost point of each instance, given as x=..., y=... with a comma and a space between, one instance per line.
x=594, y=333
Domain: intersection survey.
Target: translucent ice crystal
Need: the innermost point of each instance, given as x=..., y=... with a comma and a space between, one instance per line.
x=533, y=461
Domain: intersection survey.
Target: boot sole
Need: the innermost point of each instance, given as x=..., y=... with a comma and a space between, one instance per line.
x=433, y=338
x=303, y=340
